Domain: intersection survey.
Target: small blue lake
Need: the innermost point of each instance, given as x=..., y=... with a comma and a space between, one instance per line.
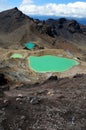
x=30, y=45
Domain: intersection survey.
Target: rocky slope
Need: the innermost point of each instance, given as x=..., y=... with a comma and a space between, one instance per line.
x=16, y=28
x=57, y=104
x=41, y=101
x=67, y=37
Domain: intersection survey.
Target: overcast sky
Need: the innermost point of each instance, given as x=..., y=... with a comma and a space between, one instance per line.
x=66, y=8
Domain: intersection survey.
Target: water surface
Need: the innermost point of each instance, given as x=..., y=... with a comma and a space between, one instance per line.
x=16, y=55
x=30, y=45
x=49, y=63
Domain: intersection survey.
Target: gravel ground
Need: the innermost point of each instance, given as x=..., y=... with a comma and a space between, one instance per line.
x=56, y=104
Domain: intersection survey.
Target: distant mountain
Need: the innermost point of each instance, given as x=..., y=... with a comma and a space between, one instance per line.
x=17, y=28
x=45, y=17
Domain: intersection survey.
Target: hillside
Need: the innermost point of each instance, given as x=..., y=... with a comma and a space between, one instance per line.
x=16, y=28
x=42, y=100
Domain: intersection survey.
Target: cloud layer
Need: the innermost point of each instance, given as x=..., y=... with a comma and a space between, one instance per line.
x=77, y=9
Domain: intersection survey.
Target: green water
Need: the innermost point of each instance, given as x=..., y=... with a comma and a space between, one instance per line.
x=16, y=55
x=48, y=63
x=30, y=45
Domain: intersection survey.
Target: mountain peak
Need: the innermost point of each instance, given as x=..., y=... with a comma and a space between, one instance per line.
x=15, y=8
x=12, y=19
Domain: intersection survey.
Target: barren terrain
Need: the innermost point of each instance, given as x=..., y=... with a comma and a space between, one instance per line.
x=41, y=101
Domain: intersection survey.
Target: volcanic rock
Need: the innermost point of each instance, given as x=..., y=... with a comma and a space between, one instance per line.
x=17, y=28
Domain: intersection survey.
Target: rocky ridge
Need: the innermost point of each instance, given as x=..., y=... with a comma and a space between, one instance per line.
x=17, y=28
